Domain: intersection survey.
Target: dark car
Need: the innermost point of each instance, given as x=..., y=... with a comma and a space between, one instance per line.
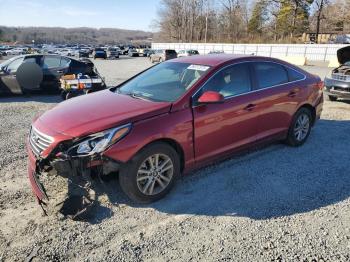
x=172, y=118
x=337, y=84
x=53, y=67
x=84, y=53
x=100, y=53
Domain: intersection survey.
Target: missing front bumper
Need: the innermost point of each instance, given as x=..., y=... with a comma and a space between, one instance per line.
x=64, y=184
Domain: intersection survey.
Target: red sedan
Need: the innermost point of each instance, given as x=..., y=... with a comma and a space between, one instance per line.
x=174, y=117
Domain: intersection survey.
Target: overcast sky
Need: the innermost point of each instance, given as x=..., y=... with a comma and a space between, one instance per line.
x=126, y=14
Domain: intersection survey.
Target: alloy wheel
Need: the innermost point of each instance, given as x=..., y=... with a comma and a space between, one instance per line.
x=301, y=128
x=155, y=174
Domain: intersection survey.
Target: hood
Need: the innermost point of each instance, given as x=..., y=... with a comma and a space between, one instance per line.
x=343, y=55
x=98, y=111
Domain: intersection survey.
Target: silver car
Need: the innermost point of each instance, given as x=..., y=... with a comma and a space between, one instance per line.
x=337, y=83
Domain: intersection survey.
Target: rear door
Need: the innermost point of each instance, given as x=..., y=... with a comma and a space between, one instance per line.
x=279, y=97
x=53, y=68
x=219, y=128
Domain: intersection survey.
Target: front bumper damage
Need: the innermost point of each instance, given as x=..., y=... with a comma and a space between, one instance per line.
x=60, y=179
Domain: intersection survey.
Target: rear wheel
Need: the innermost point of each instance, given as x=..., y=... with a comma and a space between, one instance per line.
x=64, y=95
x=332, y=98
x=300, y=127
x=151, y=174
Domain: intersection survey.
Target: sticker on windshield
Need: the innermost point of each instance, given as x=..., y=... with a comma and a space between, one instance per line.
x=198, y=67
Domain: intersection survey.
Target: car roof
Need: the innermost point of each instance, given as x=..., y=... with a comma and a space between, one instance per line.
x=210, y=60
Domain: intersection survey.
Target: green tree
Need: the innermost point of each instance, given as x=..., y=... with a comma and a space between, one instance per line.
x=293, y=17
x=258, y=18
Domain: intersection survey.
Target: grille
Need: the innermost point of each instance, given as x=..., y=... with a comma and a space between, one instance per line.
x=39, y=141
x=341, y=77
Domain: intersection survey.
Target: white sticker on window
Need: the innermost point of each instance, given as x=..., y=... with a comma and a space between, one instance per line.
x=198, y=67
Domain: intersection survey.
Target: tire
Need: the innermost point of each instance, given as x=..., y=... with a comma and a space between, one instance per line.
x=332, y=98
x=64, y=95
x=134, y=170
x=295, y=138
x=70, y=95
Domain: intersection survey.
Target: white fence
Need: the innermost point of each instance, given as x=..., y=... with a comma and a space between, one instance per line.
x=311, y=51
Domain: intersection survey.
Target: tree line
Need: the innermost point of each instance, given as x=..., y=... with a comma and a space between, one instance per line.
x=58, y=35
x=281, y=21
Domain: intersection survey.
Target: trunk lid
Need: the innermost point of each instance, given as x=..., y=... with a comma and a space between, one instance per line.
x=343, y=55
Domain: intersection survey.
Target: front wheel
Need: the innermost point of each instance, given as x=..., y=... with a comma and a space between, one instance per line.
x=300, y=127
x=151, y=174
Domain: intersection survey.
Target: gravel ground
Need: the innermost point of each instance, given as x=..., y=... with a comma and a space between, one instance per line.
x=273, y=204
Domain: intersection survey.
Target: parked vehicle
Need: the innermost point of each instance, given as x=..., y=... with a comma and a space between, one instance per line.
x=343, y=39
x=189, y=52
x=65, y=52
x=216, y=52
x=73, y=85
x=113, y=52
x=100, y=53
x=163, y=55
x=15, y=51
x=172, y=118
x=84, y=53
x=53, y=67
x=150, y=52
x=133, y=52
x=143, y=50
x=337, y=83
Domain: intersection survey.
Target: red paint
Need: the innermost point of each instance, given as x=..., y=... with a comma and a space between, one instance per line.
x=204, y=132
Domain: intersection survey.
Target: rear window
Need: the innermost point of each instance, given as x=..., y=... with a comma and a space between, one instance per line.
x=270, y=74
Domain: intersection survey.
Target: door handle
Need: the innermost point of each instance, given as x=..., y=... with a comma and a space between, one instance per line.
x=60, y=71
x=250, y=107
x=293, y=93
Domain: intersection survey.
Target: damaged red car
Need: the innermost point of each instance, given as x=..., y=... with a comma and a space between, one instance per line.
x=174, y=117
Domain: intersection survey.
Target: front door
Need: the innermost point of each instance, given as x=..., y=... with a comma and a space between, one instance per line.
x=220, y=128
x=9, y=83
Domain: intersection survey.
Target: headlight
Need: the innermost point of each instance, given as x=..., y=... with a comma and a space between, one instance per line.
x=99, y=142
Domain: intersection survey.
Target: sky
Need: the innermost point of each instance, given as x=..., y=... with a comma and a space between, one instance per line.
x=125, y=14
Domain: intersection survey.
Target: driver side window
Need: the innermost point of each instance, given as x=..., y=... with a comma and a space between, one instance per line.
x=231, y=81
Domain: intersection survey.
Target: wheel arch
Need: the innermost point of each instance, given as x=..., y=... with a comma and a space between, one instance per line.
x=175, y=145
x=312, y=110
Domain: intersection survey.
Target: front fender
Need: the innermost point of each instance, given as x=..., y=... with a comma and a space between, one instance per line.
x=176, y=126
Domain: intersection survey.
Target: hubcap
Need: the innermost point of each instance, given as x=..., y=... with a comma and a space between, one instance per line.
x=301, y=127
x=155, y=174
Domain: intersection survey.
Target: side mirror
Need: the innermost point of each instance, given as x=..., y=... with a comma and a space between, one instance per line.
x=211, y=97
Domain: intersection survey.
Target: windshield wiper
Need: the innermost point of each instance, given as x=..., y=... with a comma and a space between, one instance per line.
x=137, y=96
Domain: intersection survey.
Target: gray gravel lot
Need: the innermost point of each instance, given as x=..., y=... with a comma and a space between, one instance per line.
x=275, y=203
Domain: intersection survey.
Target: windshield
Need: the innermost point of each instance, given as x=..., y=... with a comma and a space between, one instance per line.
x=165, y=82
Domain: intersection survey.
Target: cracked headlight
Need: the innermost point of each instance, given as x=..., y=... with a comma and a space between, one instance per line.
x=99, y=142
